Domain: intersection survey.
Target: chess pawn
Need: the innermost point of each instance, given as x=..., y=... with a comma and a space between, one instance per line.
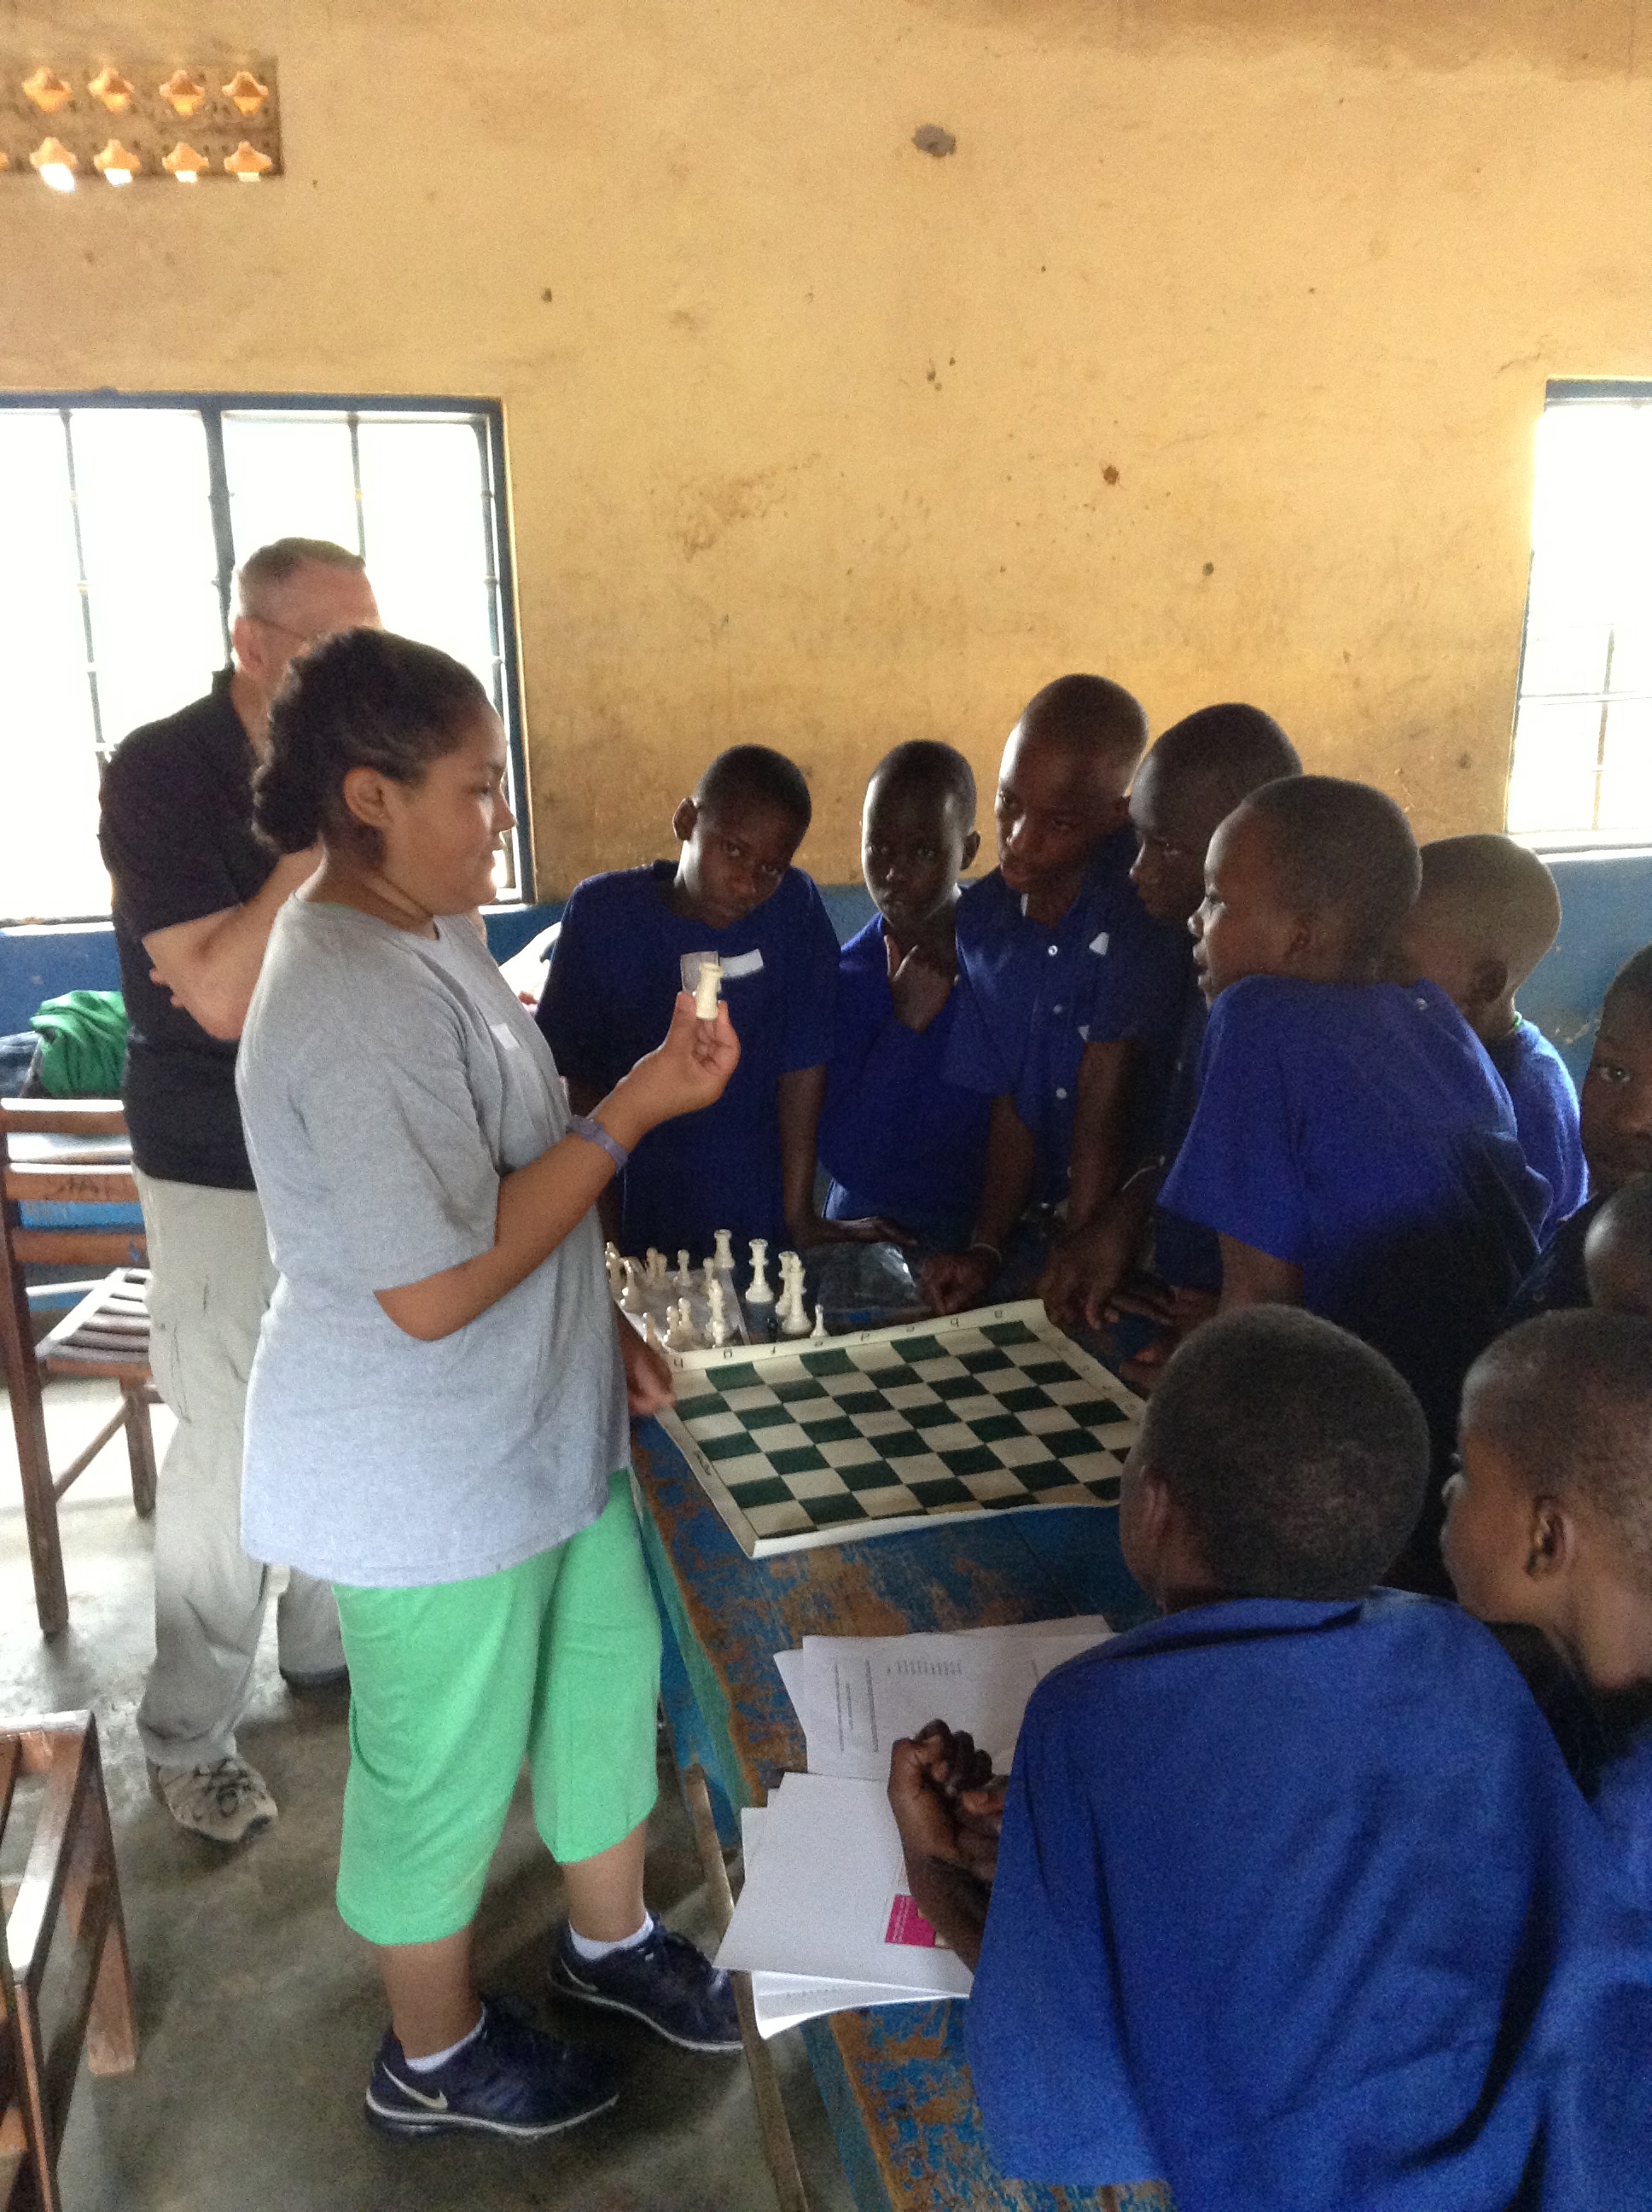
x=759, y=1293
x=724, y=1255
x=680, y=1336
x=656, y=1266
x=616, y=1267
x=650, y=1336
x=721, y=1331
x=631, y=1298
x=817, y=1333
x=708, y=1275
x=684, y=1279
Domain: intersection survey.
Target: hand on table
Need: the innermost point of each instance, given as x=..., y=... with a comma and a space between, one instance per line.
x=952, y=1281
x=1179, y=1311
x=648, y=1388
x=948, y=1809
x=1084, y=1269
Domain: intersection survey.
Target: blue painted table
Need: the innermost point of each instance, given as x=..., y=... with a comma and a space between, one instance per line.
x=895, y=2081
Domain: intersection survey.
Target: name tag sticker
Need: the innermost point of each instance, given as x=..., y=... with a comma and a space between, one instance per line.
x=745, y=964
x=1098, y=944
x=507, y=1036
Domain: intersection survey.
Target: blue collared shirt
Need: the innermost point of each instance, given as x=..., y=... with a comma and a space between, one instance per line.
x=1032, y=997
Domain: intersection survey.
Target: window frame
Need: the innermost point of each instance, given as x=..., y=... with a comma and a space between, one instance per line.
x=212, y=407
x=1569, y=392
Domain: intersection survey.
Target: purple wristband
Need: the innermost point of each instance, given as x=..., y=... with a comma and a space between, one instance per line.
x=583, y=1124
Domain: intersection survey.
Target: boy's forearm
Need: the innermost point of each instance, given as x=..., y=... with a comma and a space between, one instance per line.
x=954, y=1901
x=1007, y=1183
x=1098, y=1127
x=800, y=1092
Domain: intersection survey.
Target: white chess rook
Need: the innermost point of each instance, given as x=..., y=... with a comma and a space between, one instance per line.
x=724, y=1253
x=759, y=1293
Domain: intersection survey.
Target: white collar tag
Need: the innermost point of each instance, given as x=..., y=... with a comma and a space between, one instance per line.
x=733, y=965
x=1098, y=944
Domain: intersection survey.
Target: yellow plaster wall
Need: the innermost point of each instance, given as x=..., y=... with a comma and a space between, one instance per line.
x=1209, y=359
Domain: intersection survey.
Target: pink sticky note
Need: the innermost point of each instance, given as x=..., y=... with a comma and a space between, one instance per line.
x=907, y=1926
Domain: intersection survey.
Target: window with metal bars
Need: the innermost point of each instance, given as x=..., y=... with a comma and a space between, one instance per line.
x=1582, y=772
x=123, y=518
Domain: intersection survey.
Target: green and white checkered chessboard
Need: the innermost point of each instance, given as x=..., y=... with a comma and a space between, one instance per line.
x=995, y=1411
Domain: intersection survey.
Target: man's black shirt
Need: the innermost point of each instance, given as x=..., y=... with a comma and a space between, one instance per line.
x=176, y=834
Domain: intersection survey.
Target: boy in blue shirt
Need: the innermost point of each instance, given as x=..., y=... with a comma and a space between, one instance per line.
x=1549, y=1522
x=897, y=1138
x=746, y=1163
x=1352, y=1147
x=1295, y=1905
x=1618, y=1250
x=1035, y=939
x=1486, y=914
x=1193, y=778
x=1615, y=1117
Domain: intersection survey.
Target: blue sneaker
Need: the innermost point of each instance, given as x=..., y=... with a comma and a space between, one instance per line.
x=664, y=1982
x=512, y=2080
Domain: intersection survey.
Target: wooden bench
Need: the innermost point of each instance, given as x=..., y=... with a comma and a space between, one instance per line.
x=107, y=1333
x=69, y=1873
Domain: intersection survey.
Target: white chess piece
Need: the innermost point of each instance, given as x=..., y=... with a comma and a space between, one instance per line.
x=680, y=1336
x=724, y=1255
x=794, y=1314
x=708, y=1275
x=721, y=1331
x=616, y=1267
x=759, y=1293
x=683, y=1280
x=656, y=1266
x=707, y=987
x=631, y=1298
x=817, y=1333
x=650, y=1336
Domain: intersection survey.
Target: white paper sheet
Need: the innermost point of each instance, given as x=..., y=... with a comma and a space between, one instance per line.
x=857, y=1695
x=826, y=1889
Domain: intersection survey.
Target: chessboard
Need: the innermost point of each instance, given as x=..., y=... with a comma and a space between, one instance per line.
x=990, y=1412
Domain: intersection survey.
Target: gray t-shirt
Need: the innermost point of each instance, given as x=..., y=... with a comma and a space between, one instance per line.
x=387, y=1081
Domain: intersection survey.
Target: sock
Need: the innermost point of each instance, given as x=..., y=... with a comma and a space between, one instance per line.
x=429, y=2065
x=583, y=1948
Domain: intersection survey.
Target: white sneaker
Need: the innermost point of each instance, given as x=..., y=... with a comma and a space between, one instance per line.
x=225, y=1803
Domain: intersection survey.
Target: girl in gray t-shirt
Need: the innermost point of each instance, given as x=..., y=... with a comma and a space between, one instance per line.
x=436, y=1420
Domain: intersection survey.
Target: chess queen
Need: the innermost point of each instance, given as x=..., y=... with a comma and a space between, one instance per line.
x=437, y=1417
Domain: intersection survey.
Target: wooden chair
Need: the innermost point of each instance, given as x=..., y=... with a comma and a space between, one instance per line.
x=70, y=1870
x=107, y=1334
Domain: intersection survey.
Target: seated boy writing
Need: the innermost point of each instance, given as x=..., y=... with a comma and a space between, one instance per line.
x=1351, y=1148
x=1192, y=780
x=1294, y=1902
x=1615, y=1117
x=900, y=1141
x=746, y=1163
x=1486, y=914
x=1035, y=940
x=1549, y=1522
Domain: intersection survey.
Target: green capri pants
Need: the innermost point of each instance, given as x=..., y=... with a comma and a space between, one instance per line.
x=555, y=1661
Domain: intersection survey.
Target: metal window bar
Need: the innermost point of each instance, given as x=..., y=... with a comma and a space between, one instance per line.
x=83, y=583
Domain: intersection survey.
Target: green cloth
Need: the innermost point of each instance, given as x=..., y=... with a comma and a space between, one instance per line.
x=453, y=1685
x=83, y=1044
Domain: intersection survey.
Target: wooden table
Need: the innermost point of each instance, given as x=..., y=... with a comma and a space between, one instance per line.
x=894, y=2079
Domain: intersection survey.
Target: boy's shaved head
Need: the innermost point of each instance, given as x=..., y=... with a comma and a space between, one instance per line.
x=1618, y=1250
x=1228, y=751
x=1342, y=847
x=925, y=767
x=1633, y=980
x=1497, y=898
x=1567, y=1400
x=755, y=775
x=1087, y=714
x=1296, y=1453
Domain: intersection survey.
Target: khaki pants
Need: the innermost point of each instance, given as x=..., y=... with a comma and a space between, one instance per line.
x=212, y=1278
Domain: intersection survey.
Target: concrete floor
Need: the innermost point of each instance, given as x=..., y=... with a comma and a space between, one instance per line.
x=258, y=2012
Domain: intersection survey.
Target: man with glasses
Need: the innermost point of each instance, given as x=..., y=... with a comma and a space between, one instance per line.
x=195, y=894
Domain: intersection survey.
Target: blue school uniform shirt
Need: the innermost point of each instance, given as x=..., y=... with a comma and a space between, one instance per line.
x=1185, y=1254
x=1033, y=997
x=608, y=999
x=1359, y=1131
x=1545, y=1099
x=896, y=1137
x=1298, y=1908
x=1623, y=1803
